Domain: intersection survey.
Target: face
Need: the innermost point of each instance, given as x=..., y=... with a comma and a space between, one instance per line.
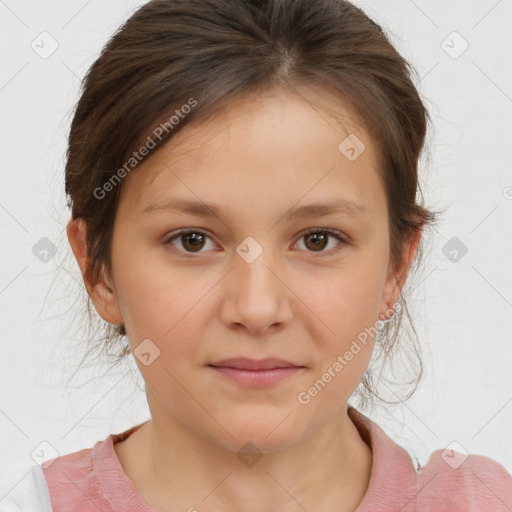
x=258, y=275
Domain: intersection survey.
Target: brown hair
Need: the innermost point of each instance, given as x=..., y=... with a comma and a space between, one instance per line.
x=170, y=51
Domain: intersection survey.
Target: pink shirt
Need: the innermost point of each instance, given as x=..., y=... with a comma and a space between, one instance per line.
x=93, y=479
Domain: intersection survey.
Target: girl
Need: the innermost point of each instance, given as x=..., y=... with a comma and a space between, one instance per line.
x=242, y=177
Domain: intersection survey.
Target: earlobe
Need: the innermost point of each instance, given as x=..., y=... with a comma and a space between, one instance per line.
x=102, y=295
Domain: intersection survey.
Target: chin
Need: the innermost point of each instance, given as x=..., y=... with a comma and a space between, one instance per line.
x=264, y=434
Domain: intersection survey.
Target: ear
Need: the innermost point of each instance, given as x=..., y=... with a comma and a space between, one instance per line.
x=103, y=295
x=396, y=280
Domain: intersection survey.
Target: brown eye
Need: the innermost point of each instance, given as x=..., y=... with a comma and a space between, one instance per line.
x=316, y=240
x=190, y=242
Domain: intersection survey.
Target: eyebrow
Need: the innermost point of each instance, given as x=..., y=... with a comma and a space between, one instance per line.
x=201, y=209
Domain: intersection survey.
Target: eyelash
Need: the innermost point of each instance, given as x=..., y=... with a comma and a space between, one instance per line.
x=336, y=234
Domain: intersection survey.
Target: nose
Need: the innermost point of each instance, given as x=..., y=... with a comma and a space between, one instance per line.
x=256, y=297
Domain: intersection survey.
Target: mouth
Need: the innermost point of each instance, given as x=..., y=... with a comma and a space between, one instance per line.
x=254, y=373
x=245, y=363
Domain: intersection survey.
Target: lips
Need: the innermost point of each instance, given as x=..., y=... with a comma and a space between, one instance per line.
x=244, y=363
x=255, y=373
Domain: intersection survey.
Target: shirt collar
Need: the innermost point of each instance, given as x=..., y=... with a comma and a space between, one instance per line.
x=393, y=482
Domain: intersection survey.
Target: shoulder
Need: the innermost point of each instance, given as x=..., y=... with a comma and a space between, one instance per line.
x=88, y=479
x=72, y=479
x=30, y=494
x=463, y=482
x=79, y=462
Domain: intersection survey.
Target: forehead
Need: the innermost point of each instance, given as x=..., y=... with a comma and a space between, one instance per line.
x=277, y=145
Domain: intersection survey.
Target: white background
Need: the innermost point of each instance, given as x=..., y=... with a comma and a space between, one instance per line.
x=463, y=310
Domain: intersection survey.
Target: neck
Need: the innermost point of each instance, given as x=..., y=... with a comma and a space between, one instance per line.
x=329, y=470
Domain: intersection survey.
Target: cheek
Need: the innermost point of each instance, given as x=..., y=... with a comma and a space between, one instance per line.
x=347, y=300
x=167, y=312
x=158, y=302
x=345, y=308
